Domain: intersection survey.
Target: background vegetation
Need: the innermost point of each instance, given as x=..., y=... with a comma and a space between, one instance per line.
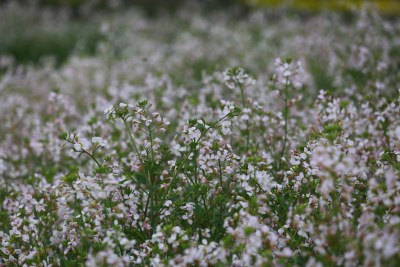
x=30, y=39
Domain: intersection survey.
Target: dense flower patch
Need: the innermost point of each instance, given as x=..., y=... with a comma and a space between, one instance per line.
x=156, y=151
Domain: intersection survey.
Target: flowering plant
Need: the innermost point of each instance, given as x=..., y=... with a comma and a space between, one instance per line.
x=273, y=164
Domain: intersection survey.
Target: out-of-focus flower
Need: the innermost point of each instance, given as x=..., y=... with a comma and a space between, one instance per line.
x=236, y=77
x=100, y=141
x=82, y=143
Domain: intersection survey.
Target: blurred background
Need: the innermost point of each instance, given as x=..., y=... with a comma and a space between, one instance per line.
x=387, y=6
x=32, y=30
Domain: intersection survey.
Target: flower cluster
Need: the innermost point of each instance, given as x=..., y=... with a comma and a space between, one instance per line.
x=236, y=77
x=289, y=72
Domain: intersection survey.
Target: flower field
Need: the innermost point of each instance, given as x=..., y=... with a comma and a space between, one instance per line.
x=201, y=138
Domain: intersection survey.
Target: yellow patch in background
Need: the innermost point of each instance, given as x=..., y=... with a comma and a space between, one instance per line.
x=385, y=6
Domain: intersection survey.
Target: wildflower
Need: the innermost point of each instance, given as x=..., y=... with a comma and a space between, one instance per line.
x=236, y=77
x=82, y=144
x=326, y=187
x=99, y=141
x=192, y=133
x=110, y=112
x=167, y=203
x=288, y=72
x=225, y=126
x=398, y=132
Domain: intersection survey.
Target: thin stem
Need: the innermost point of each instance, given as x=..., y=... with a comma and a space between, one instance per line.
x=132, y=141
x=220, y=172
x=178, y=169
x=286, y=116
x=85, y=152
x=91, y=156
x=247, y=123
x=243, y=97
x=147, y=206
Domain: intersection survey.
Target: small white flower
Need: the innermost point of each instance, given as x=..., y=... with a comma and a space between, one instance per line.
x=167, y=203
x=326, y=187
x=83, y=144
x=225, y=127
x=99, y=140
x=286, y=252
x=289, y=72
x=109, y=112
x=146, y=144
x=194, y=133
x=397, y=131
x=228, y=109
x=236, y=77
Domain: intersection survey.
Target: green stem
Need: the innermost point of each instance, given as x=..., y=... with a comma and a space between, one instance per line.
x=243, y=97
x=286, y=116
x=132, y=141
x=178, y=169
x=91, y=156
x=85, y=152
x=247, y=123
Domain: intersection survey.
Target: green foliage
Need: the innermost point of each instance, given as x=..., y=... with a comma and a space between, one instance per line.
x=33, y=46
x=332, y=131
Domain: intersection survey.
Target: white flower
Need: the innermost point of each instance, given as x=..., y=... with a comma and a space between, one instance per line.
x=288, y=72
x=397, y=131
x=286, y=252
x=398, y=156
x=225, y=127
x=167, y=203
x=326, y=187
x=99, y=140
x=228, y=109
x=146, y=144
x=234, y=77
x=83, y=144
x=109, y=112
x=194, y=133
